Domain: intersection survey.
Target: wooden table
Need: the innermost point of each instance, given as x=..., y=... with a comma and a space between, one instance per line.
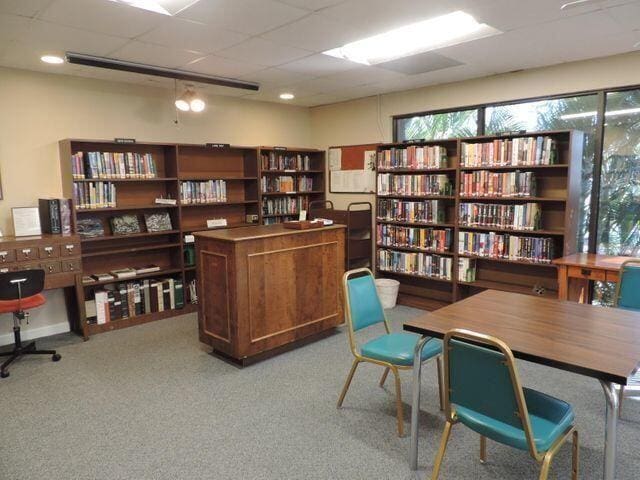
x=265, y=287
x=602, y=343
x=575, y=271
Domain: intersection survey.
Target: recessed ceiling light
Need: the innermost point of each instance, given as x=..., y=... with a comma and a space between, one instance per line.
x=576, y=3
x=287, y=96
x=443, y=31
x=54, y=59
x=164, y=7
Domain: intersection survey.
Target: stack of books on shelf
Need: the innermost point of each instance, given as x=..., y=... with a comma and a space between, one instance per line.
x=506, y=246
x=484, y=183
x=282, y=184
x=431, y=239
x=421, y=264
x=91, y=195
x=413, y=157
x=425, y=211
x=466, y=269
x=120, y=273
x=130, y=299
x=526, y=216
x=209, y=191
x=284, y=205
x=55, y=215
x=285, y=161
x=305, y=184
x=414, y=185
x=509, y=152
x=112, y=165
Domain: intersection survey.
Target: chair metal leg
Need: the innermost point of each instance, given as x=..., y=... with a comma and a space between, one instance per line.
x=611, y=429
x=348, y=382
x=439, y=362
x=384, y=376
x=399, y=411
x=546, y=463
x=620, y=400
x=575, y=455
x=441, y=451
x=483, y=449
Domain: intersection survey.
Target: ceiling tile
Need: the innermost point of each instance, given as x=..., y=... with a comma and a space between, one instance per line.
x=190, y=35
x=275, y=76
x=150, y=54
x=13, y=27
x=247, y=16
x=221, y=67
x=319, y=64
x=102, y=16
x=420, y=63
x=628, y=16
x=314, y=32
x=312, y=5
x=263, y=52
x=25, y=8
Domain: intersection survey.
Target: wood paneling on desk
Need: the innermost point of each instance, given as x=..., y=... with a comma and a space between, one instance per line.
x=267, y=286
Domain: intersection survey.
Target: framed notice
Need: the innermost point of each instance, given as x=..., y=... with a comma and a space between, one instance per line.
x=352, y=169
x=26, y=221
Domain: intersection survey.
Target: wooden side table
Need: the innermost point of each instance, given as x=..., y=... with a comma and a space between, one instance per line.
x=575, y=271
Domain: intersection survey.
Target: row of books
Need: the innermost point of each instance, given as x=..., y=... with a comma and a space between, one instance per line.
x=414, y=157
x=130, y=299
x=391, y=184
x=94, y=195
x=285, y=161
x=422, y=264
x=112, y=165
x=484, y=183
x=506, y=246
x=466, y=269
x=283, y=205
x=432, y=239
x=526, y=216
x=274, y=220
x=209, y=191
x=425, y=211
x=516, y=151
x=120, y=274
x=286, y=184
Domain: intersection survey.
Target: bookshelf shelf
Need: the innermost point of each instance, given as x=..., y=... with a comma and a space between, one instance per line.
x=162, y=272
x=120, y=251
x=126, y=180
x=133, y=235
x=124, y=208
x=204, y=178
x=92, y=329
x=400, y=248
x=421, y=277
x=558, y=197
x=297, y=172
x=218, y=204
x=283, y=194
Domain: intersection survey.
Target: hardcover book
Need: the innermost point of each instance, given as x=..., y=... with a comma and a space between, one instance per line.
x=158, y=222
x=125, y=224
x=89, y=227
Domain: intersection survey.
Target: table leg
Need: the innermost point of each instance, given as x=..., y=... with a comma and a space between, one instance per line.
x=563, y=283
x=611, y=429
x=415, y=404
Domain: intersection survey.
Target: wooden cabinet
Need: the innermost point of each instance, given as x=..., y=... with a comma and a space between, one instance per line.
x=265, y=287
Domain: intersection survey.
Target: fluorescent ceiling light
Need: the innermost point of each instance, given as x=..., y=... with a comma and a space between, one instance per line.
x=444, y=31
x=54, y=59
x=612, y=113
x=287, y=96
x=165, y=7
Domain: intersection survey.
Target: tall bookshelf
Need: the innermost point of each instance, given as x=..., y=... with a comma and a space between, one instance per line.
x=294, y=163
x=175, y=165
x=558, y=196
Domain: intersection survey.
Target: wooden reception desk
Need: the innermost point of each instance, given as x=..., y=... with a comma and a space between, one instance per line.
x=263, y=287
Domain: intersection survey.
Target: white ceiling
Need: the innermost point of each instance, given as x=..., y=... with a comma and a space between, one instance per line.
x=278, y=43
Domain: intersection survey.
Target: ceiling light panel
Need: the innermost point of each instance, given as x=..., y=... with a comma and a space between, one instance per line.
x=443, y=31
x=164, y=7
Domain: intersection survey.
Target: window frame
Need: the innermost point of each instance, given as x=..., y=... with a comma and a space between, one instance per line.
x=601, y=95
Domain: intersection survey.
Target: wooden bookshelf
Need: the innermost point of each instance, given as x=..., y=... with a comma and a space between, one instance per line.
x=558, y=193
x=175, y=163
x=314, y=170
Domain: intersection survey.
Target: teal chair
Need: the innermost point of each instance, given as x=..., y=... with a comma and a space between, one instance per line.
x=483, y=392
x=394, y=351
x=628, y=298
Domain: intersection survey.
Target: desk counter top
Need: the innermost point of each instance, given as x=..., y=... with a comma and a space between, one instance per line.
x=592, y=260
x=259, y=231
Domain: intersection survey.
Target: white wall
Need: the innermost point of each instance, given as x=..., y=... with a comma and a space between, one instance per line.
x=38, y=110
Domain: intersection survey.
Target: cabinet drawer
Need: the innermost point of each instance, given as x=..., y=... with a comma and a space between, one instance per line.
x=26, y=253
x=51, y=267
x=49, y=251
x=69, y=249
x=587, y=273
x=16, y=267
x=612, y=277
x=5, y=268
x=7, y=256
x=71, y=265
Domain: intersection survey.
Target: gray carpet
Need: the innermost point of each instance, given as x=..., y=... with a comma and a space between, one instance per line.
x=151, y=403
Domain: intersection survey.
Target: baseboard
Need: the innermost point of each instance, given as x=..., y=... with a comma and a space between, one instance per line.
x=38, y=332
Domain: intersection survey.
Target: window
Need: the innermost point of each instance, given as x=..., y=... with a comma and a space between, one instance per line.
x=438, y=126
x=577, y=113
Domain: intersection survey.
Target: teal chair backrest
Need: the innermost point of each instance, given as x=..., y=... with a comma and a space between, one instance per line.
x=479, y=380
x=366, y=309
x=629, y=294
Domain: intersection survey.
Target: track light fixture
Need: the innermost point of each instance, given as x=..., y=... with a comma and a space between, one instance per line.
x=189, y=101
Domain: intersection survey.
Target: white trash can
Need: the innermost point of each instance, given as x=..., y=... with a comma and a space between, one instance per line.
x=387, y=291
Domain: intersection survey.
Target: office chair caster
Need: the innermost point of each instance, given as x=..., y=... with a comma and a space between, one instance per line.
x=4, y=374
x=56, y=357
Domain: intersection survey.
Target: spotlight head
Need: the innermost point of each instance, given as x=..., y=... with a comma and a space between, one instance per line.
x=182, y=105
x=197, y=105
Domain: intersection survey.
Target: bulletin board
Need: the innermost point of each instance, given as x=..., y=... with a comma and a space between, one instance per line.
x=352, y=168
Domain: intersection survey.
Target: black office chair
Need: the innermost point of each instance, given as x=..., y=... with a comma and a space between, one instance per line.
x=18, y=291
